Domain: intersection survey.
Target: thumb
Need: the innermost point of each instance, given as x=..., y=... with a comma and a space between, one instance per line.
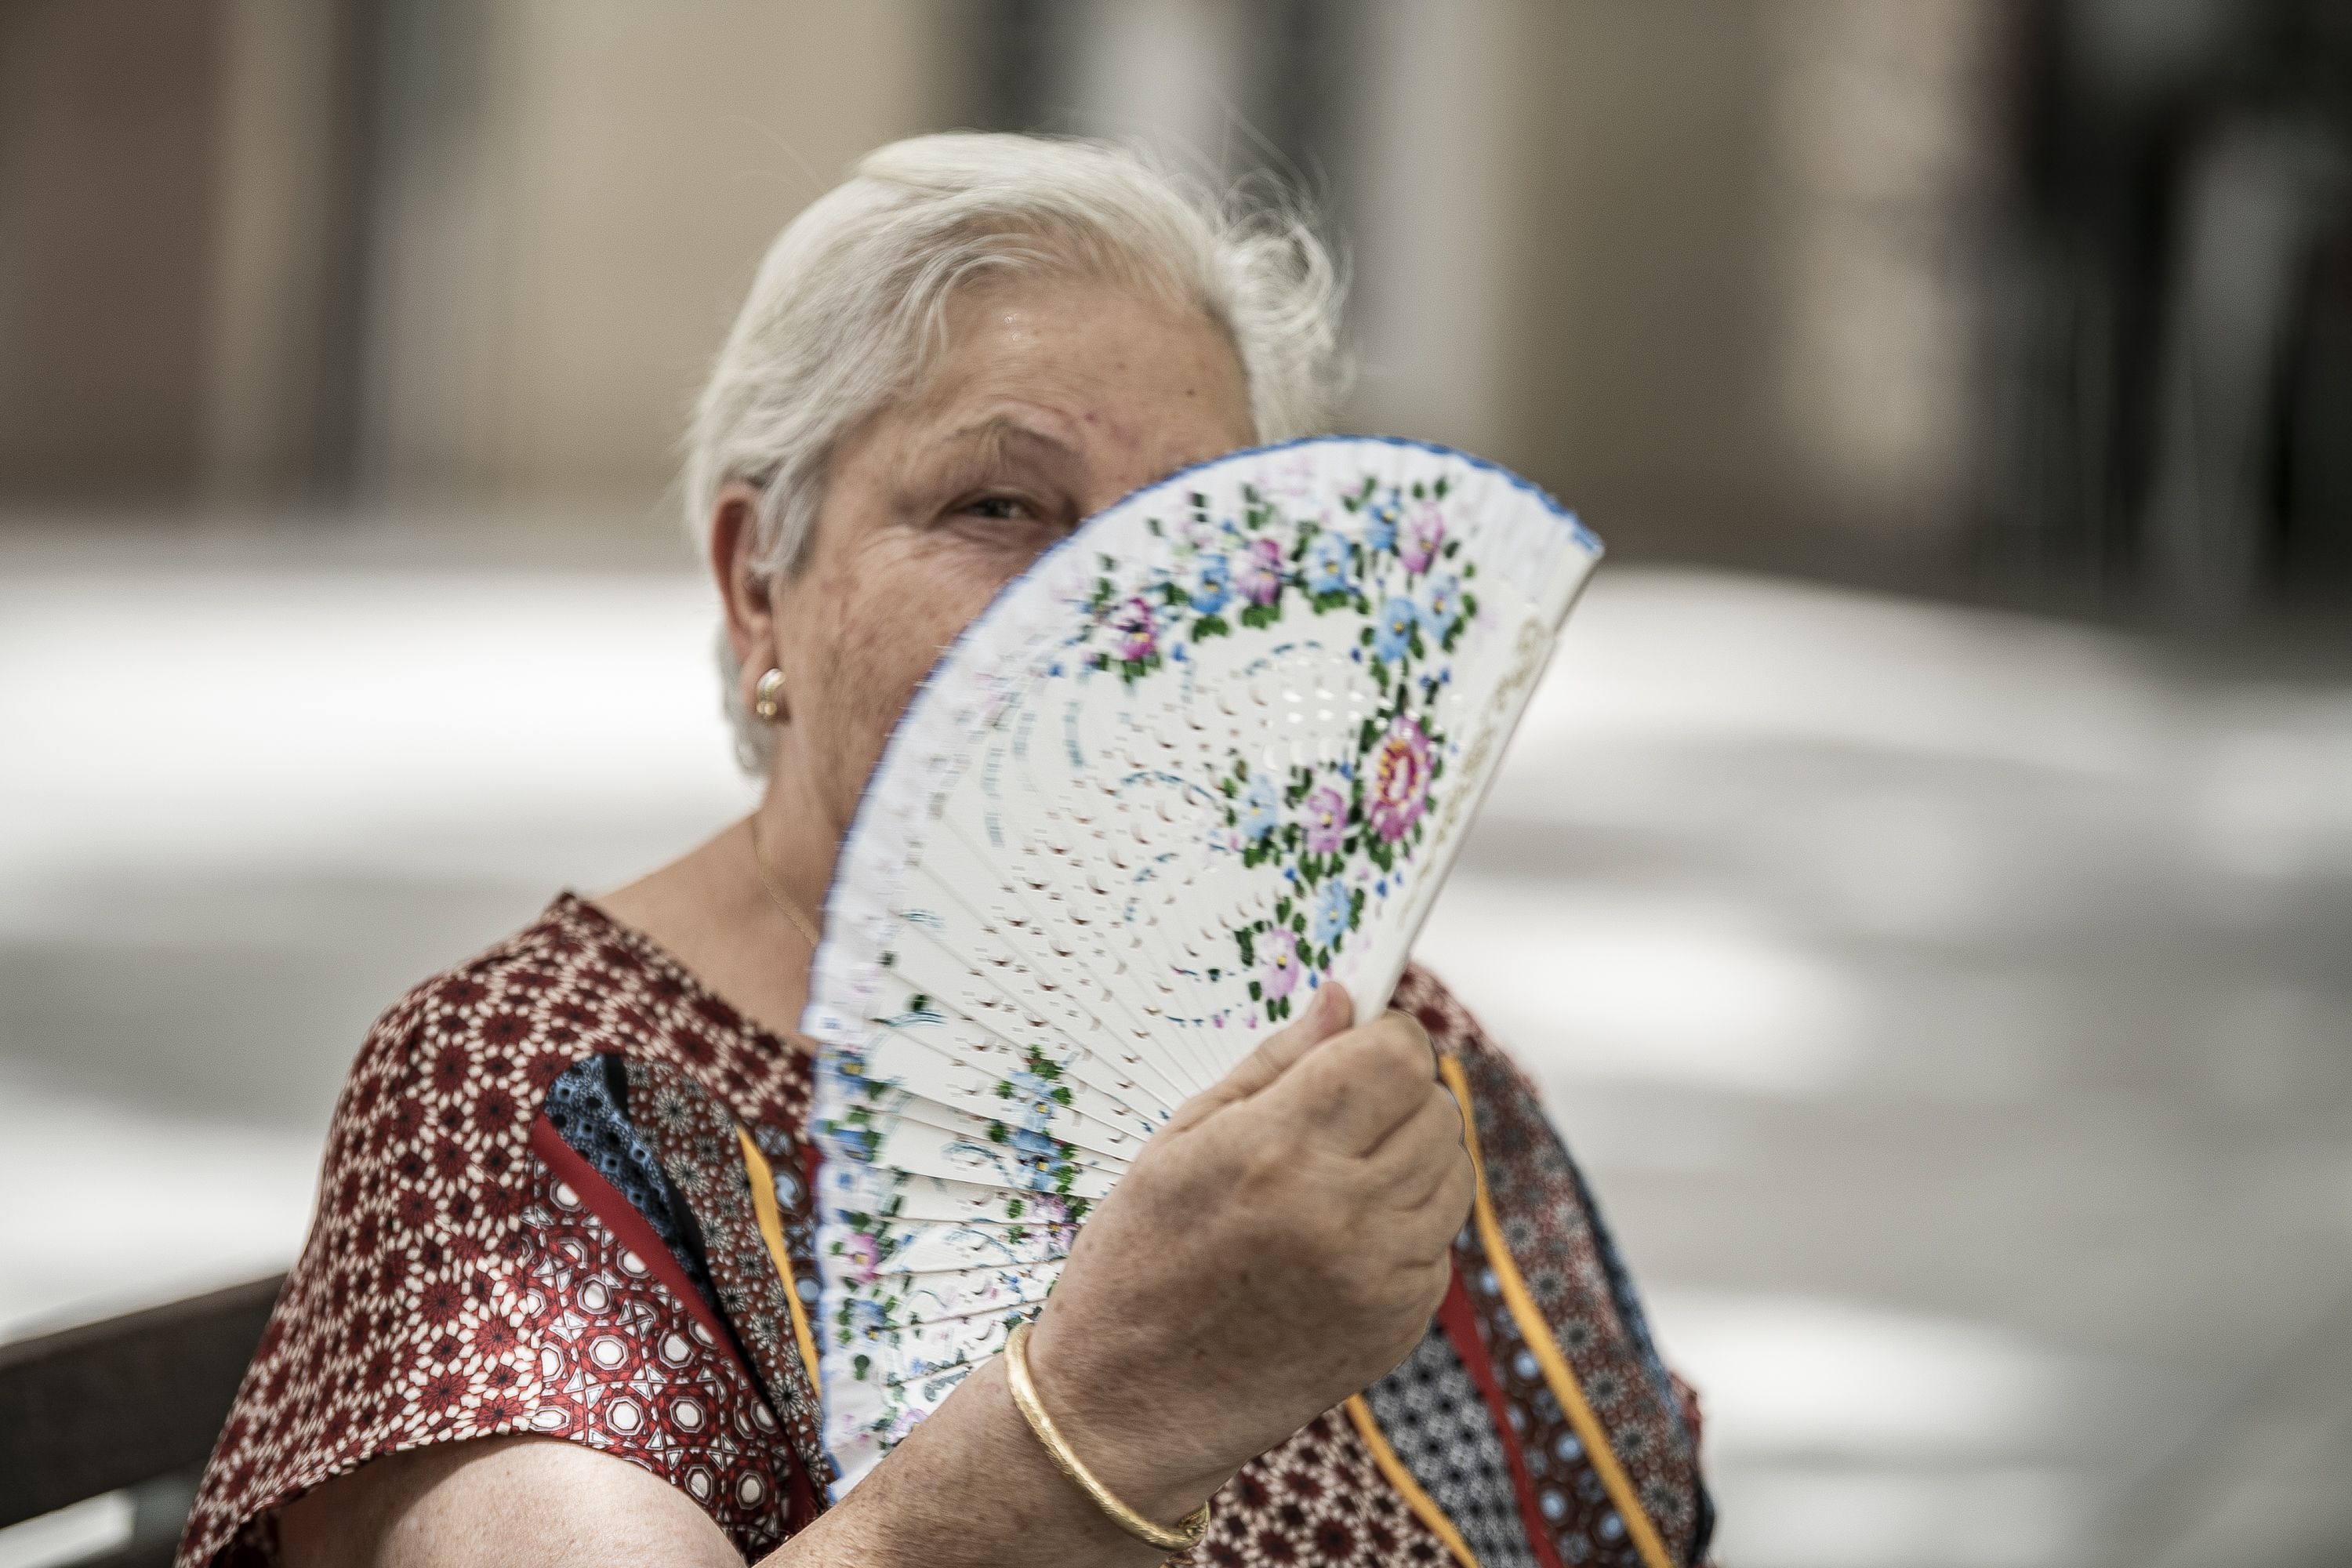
x=1327, y=1015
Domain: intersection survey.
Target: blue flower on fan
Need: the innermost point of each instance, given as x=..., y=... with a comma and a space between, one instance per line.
x=1216, y=586
x=1380, y=520
x=1331, y=912
x=1261, y=808
x=856, y=1142
x=867, y=1319
x=1328, y=565
x=1393, y=635
x=1031, y=1088
x=1441, y=612
x=1036, y=1149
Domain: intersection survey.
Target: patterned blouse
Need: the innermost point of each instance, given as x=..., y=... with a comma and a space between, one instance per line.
x=565, y=1192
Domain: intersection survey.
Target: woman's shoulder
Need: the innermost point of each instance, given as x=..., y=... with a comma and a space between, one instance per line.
x=453, y=1273
x=571, y=977
x=573, y=984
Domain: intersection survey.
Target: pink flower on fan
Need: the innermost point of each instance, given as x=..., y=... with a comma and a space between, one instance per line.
x=1281, y=964
x=1258, y=576
x=1399, y=780
x=1327, y=821
x=1424, y=533
x=859, y=1256
x=1137, y=630
x=1291, y=475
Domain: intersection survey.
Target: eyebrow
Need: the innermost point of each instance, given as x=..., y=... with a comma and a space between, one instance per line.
x=977, y=445
x=995, y=434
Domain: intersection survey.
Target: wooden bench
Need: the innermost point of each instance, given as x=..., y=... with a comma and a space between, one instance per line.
x=133, y=1404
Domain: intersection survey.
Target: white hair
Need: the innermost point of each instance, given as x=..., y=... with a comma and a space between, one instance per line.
x=849, y=307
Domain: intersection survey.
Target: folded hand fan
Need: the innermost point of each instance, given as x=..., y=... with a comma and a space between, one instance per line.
x=1214, y=749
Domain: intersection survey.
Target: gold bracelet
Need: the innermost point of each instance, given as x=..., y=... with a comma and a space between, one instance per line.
x=1190, y=1530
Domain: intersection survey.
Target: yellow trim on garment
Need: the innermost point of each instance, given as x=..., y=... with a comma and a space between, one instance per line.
x=1425, y=1507
x=1556, y=1372
x=771, y=1231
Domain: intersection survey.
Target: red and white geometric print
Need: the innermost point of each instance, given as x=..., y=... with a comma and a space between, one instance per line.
x=416, y=1313
x=624, y=1367
x=1317, y=1502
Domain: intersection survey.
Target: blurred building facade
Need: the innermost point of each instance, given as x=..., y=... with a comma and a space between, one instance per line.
x=469, y=251
x=2051, y=300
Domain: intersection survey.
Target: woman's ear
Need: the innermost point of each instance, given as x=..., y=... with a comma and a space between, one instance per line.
x=745, y=590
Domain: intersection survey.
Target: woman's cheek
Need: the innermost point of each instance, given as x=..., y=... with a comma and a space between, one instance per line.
x=894, y=618
x=921, y=615
x=963, y=577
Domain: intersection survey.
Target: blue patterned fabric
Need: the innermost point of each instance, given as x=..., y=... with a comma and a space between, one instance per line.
x=1434, y=1417
x=587, y=1108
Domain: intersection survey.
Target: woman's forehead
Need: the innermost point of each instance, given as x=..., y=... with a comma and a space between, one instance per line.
x=1042, y=359
x=1077, y=325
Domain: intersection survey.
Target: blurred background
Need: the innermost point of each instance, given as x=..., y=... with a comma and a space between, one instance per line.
x=1923, y=889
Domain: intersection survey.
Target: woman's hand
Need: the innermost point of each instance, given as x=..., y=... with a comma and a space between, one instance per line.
x=1280, y=1245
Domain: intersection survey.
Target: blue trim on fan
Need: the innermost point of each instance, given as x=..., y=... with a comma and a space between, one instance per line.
x=1582, y=534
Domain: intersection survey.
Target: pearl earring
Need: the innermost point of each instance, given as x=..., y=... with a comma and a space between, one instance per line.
x=767, y=698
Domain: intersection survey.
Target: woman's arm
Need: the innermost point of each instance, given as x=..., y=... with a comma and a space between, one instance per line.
x=1279, y=1245
x=972, y=1485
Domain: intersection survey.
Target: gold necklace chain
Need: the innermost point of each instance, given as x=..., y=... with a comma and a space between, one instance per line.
x=806, y=927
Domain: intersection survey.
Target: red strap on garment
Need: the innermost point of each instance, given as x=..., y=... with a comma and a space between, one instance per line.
x=1460, y=1321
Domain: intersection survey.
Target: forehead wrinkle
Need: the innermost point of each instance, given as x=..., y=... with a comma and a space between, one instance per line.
x=994, y=434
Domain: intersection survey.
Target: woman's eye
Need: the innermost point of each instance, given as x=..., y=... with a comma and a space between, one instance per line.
x=998, y=509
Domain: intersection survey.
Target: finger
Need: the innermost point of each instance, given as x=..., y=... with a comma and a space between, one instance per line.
x=1357, y=1090
x=1446, y=1208
x=1428, y=1279
x=1326, y=1015
x=1428, y=1227
x=1396, y=1017
x=1419, y=1149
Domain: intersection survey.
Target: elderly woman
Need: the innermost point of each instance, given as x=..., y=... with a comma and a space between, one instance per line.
x=552, y=1307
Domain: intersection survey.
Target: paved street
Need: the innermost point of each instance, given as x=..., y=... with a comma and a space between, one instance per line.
x=1953, y=1010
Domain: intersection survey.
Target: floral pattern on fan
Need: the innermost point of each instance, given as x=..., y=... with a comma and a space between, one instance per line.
x=1037, y=1168
x=1214, y=751
x=1311, y=824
